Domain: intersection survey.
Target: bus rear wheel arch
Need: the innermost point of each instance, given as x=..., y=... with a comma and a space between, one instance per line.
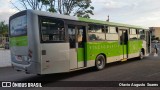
x=141, y=54
x=100, y=62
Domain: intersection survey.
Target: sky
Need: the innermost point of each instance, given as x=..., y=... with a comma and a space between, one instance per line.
x=144, y=13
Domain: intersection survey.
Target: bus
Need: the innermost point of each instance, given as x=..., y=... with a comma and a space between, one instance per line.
x=45, y=43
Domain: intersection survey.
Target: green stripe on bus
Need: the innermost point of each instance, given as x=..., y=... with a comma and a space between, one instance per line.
x=19, y=41
x=111, y=49
x=80, y=55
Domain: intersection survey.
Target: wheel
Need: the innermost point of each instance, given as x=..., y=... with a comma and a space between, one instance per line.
x=141, y=55
x=100, y=62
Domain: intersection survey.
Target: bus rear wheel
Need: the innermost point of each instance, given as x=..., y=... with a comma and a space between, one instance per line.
x=100, y=62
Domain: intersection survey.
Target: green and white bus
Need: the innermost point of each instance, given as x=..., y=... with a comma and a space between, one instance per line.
x=45, y=43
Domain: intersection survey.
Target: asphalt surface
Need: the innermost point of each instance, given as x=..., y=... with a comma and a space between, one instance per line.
x=147, y=69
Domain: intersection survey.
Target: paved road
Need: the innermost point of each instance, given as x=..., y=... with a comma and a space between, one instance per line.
x=132, y=70
x=147, y=69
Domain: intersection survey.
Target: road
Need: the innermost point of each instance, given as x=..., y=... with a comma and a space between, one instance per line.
x=147, y=69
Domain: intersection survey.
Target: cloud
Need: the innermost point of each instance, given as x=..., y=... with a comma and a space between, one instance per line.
x=6, y=10
x=150, y=19
x=112, y=4
x=136, y=12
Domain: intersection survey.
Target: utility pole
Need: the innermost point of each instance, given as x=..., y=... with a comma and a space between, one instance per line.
x=108, y=19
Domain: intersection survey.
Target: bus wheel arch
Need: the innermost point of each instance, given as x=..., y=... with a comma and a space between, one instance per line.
x=143, y=51
x=100, y=61
x=141, y=54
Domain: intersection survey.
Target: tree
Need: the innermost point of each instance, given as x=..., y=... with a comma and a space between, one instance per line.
x=85, y=9
x=3, y=28
x=29, y=4
x=80, y=8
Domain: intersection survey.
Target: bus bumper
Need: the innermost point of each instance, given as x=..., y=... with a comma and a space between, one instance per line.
x=28, y=69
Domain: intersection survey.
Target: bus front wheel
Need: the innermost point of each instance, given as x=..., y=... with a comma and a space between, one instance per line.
x=100, y=62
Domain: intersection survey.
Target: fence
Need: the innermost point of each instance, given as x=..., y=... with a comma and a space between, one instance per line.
x=5, y=58
x=4, y=42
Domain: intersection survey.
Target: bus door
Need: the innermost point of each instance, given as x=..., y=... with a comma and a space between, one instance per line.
x=148, y=40
x=123, y=33
x=76, y=35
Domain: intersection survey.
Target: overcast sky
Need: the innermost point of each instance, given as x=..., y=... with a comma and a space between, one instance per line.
x=137, y=12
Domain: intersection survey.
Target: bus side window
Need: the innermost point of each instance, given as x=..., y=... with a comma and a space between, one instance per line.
x=106, y=27
x=96, y=32
x=80, y=36
x=112, y=34
x=52, y=30
x=72, y=36
x=133, y=34
x=142, y=34
x=121, y=37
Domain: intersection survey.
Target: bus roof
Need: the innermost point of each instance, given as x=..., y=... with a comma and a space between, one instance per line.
x=110, y=23
x=43, y=13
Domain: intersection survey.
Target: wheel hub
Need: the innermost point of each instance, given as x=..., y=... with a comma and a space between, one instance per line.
x=99, y=62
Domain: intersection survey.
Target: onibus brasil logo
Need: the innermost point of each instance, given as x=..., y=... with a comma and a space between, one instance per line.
x=15, y=84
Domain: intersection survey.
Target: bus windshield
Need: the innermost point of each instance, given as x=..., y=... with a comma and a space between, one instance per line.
x=18, y=26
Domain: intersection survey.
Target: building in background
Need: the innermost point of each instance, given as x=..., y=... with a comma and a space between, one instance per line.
x=155, y=33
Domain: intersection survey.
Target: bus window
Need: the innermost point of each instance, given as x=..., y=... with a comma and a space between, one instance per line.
x=72, y=36
x=106, y=27
x=18, y=26
x=133, y=31
x=96, y=33
x=133, y=34
x=112, y=34
x=112, y=30
x=81, y=36
x=141, y=35
x=52, y=30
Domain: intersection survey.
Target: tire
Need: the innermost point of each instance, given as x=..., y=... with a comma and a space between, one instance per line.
x=100, y=62
x=141, y=56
